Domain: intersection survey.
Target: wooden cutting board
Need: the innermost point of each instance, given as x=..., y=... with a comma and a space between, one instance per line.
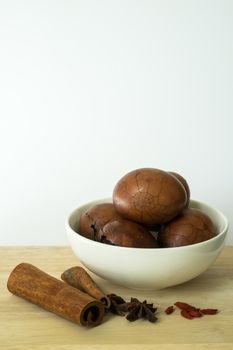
x=26, y=326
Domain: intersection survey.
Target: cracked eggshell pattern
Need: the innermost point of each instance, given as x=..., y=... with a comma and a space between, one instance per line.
x=94, y=218
x=149, y=196
x=125, y=233
x=190, y=227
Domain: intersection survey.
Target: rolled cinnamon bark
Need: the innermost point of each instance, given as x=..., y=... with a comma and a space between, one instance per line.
x=36, y=286
x=79, y=278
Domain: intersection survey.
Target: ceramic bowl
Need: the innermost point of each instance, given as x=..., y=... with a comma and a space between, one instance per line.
x=143, y=268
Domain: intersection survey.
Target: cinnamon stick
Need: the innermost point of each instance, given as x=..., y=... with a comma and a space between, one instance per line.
x=79, y=278
x=36, y=286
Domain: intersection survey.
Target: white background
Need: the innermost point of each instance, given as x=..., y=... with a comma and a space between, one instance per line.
x=90, y=90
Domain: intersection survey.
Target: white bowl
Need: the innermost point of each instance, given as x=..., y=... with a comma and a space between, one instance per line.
x=146, y=268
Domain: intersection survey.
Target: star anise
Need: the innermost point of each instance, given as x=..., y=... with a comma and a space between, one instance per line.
x=115, y=304
x=134, y=309
x=137, y=309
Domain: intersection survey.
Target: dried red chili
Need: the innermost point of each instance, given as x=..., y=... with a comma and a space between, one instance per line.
x=184, y=306
x=209, y=311
x=169, y=310
x=195, y=313
x=189, y=311
x=186, y=314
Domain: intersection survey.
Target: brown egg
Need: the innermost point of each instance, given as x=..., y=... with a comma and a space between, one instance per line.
x=126, y=233
x=149, y=196
x=190, y=227
x=184, y=183
x=94, y=218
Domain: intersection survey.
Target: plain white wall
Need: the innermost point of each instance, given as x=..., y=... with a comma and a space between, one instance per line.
x=90, y=90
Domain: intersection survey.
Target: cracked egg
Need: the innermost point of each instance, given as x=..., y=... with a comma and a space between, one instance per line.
x=126, y=233
x=190, y=227
x=94, y=218
x=149, y=196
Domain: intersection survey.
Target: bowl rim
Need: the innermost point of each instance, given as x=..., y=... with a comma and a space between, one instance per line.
x=190, y=246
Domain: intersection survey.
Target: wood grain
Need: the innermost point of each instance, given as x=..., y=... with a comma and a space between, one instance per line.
x=26, y=326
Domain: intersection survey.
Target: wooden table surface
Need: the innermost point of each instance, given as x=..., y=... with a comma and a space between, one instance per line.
x=26, y=326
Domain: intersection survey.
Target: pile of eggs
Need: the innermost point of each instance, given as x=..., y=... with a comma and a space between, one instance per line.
x=149, y=209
